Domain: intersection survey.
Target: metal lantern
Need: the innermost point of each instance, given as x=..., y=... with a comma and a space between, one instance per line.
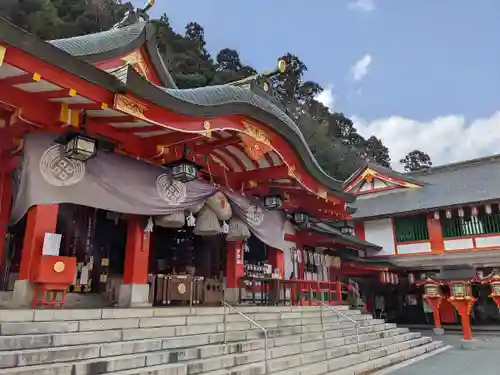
x=80, y=147
x=436, y=215
x=460, y=289
x=432, y=289
x=461, y=212
x=273, y=202
x=300, y=218
x=183, y=170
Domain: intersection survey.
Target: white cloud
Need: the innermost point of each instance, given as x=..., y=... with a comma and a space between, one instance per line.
x=327, y=97
x=446, y=139
x=362, y=5
x=360, y=68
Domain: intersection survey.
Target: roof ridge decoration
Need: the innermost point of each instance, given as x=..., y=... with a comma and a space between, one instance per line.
x=133, y=16
x=390, y=179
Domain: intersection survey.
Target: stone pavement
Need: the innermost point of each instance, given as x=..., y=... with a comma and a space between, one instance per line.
x=485, y=360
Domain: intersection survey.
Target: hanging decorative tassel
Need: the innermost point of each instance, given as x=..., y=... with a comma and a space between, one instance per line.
x=487, y=209
x=149, y=226
x=225, y=227
x=191, y=220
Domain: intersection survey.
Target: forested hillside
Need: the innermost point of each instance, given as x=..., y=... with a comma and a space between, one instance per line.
x=332, y=137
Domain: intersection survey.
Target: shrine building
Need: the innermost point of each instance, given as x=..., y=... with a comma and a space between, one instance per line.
x=443, y=220
x=148, y=190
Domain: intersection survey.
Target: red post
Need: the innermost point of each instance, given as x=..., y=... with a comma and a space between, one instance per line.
x=235, y=268
x=5, y=204
x=136, y=252
x=435, y=303
x=41, y=219
x=464, y=307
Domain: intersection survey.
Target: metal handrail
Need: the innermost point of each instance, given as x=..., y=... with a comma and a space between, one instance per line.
x=338, y=312
x=228, y=306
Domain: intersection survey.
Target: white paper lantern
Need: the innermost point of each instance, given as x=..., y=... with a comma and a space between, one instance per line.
x=448, y=214
x=174, y=220
x=474, y=211
x=207, y=223
x=461, y=212
x=220, y=205
x=238, y=230
x=436, y=215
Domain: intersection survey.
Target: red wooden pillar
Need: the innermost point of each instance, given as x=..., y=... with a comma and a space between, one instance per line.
x=136, y=252
x=276, y=259
x=5, y=204
x=134, y=290
x=41, y=219
x=235, y=267
x=435, y=234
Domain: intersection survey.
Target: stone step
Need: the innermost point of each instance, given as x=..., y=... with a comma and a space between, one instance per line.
x=281, y=346
x=347, y=358
x=387, y=361
x=236, y=331
x=20, y=328
x=316, y=364
x=51, y=315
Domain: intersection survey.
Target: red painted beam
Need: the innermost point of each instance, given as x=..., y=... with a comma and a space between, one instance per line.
x=17, y=80
x=32, y=64
x=111, y=119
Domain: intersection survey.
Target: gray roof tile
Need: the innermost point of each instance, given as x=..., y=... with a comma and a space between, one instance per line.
x=456, y=184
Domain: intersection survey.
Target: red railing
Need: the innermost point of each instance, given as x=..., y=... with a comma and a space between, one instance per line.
x=295, y=292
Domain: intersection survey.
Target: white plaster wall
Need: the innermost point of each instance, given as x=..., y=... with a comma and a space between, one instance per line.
x=412, y=248
x=458, y=244
x=380, y=233
x=488, y=241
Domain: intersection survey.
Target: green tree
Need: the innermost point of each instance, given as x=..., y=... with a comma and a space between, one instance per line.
x=376, y=150
x=416, y=160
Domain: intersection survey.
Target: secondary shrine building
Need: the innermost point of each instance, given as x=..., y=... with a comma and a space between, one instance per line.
x=441, y=220
x=117, y=184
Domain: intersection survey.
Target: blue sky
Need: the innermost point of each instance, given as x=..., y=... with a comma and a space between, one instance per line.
x=431, y=68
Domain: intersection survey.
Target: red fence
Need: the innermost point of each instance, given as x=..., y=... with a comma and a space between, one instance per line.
x=295, y=292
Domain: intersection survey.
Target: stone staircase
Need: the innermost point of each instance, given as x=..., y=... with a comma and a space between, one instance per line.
x=170, y=341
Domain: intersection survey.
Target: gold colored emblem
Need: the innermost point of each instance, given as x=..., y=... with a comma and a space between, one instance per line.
x=265, y=86
x=181, y=288
x=130, y=106
x=256, y=133
x=282, y=66
x=59, y=267
x=208, y=127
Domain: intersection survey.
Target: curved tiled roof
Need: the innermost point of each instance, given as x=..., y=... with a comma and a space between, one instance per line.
x=98, y=43
x=208, y=101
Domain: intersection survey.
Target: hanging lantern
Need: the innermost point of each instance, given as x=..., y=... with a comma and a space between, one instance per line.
x=436, y=215
x=487, y=209
x=183, y=170
x=460, y=212
x=300, y=218
x=273, y=202
x=448, y=214
x=238, y=230
x=411, y=278
x=474, y=211
x=176, y=219
x=423, y=276
x=396, y=278
x=78, y=146
x=207, y=223
x=336, y=263
x=219, y=203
